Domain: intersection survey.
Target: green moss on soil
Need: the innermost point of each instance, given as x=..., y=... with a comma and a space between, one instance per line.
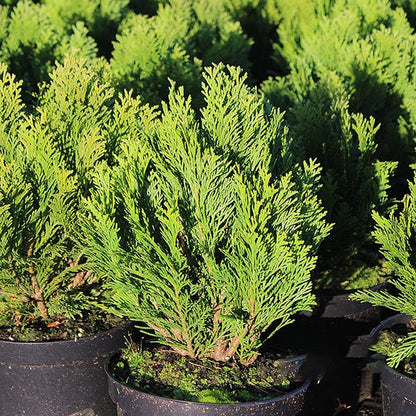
x=167, y=374
x=390, y=339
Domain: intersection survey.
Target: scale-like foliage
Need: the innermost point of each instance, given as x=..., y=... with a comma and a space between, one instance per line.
x=354, y=181
x=349, y=95
x=28, y=47
x=369, y=46
x=175, y=44
x=396, y=235
x=31, y=40
x=101, y=17
x=203, y=243
x=47, y=161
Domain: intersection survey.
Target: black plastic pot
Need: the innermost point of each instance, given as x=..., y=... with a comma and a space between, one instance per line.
x=342, y=306
x=60, y=378
x=398, y=390
x=399, y=393
x=335, y=337
x=131, y=402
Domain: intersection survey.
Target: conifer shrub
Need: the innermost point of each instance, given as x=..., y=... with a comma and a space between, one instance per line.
x=47, y=160
x=100, y=17
x=409, y=6
x=31, y=40
x=174, y=44
x=396, y=235
x=355, y=181
x=28, y=47
x=369, y=46
x=259, y=20
x=206, y=228
x=348, y=96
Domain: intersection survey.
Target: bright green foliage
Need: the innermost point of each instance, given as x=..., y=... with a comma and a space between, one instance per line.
x=47, y=161
x=201, y=225
x=350, y=100
x=174, y=44
x=31, y=41
x=409, y=6
x=101, y=17
x=396, y=235
x=355, y=182
x=78, y=41
x=74, y=108
x=370, y=47
x=11, y=105
x=28, y=47
x=4, y=21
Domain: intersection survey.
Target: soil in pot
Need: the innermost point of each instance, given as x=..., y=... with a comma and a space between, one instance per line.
x=64, y=377
x=155, y=381
x=59, y=328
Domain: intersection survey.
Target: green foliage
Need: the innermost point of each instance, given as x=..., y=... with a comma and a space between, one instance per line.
x=349, y=96
x=100, y=17
x=258, y=19
x=47, y=161
x=370, y=47
x=354, y=181
x=31, y=40
x=396, y=235
x=409, y=6
x=203, y=242
x=175, y=44
x=28, y=48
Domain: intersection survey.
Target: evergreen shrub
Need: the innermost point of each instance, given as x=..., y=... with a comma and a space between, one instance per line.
x=175, y=44
x=396, y=236
x=100, y=17
x=32, y=39
x=205, y=227
x=48, y=158
x=349, y=96
x=370, y=47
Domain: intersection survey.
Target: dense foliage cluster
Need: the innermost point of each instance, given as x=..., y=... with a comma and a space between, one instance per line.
x=48, y=159
x=202, y=224
x=137, y=160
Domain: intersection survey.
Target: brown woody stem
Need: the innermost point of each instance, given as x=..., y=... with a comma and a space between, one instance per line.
x=40, y=300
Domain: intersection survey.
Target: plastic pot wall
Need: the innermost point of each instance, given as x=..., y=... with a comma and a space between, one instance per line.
x=60, y=378
x=398, y=390
x=131, y=402
x=399, y=393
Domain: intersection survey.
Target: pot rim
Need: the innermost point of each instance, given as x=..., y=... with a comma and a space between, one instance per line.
x=388, y=323
x=395, y=373
x=64, y=351
x=303, y=387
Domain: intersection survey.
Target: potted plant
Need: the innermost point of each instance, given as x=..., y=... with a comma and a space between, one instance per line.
x=349, y=99
x=48, y=291
x=342, y=112
x=206, y=230
x=395, y=234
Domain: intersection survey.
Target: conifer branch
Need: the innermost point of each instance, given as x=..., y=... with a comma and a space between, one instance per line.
x=18, y=282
